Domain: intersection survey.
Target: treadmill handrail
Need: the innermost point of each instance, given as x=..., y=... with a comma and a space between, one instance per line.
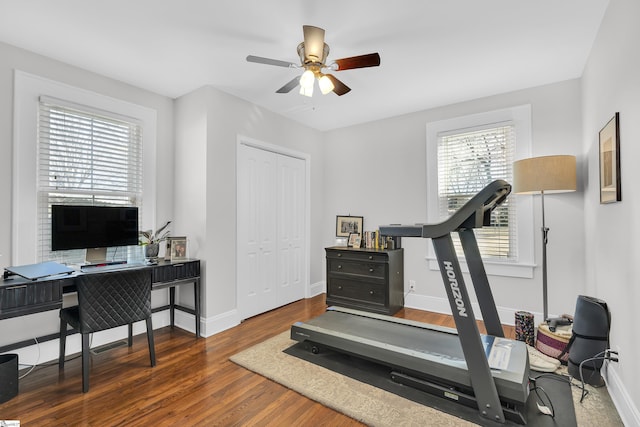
x=473, y=214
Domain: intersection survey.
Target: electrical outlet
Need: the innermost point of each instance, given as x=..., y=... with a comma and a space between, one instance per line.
x=412, y=285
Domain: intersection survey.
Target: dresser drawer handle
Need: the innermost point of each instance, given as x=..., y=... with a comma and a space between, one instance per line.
x=370, y=256
x=371, y=292
x=339, y=286
x=339, y=267
x=371, y=270
x=339, y=255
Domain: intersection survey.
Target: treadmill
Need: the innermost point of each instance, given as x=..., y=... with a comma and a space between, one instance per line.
x=488, y=372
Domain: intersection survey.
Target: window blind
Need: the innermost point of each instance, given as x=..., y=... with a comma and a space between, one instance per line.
x=468, y=160
x=85, y=157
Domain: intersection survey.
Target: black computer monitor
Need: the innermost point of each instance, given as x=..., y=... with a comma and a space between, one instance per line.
x=88, y=227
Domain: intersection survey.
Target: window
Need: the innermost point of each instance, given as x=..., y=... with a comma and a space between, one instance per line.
x=468, y=160
x=85, y=157
x=31, y=180
x=465, y=154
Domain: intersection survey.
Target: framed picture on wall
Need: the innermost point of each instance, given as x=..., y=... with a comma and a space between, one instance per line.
x=345, y=225
x=610, y=181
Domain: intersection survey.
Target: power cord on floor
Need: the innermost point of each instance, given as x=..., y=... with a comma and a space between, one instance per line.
x=543, y=407
x=603, y=355
x=52, y=363
x=32, y=367
x=608, y=354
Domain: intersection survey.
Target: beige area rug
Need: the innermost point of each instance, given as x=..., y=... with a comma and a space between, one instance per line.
x=376, y=407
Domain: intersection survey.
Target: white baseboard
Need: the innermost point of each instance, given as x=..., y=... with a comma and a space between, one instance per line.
x=317, y=288
x=218, y=323
x=441, y=305
x=624, y=404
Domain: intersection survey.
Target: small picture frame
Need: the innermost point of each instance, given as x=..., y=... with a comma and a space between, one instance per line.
x=345, y=225
x=610, y=180
x=167, y=252
x=178, y=249
x=354, y=240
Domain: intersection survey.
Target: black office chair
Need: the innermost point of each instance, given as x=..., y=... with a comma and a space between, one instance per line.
x=105, y=301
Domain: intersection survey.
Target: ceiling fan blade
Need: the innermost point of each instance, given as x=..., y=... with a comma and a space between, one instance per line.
x=313, y=43
x=269, y=61
x=362, y=61
x=289, y=86
x=339, y=88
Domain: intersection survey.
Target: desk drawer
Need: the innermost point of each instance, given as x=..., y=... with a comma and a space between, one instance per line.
x=178, y=271
x=26, y=295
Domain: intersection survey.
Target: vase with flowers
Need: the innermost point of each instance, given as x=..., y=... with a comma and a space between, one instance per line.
x=151, y=241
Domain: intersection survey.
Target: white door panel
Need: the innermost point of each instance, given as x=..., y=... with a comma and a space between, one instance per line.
x=256, y=231
x=291, y=223
x=271, y=253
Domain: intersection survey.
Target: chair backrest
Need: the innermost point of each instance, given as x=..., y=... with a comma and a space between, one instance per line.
x=116, y=298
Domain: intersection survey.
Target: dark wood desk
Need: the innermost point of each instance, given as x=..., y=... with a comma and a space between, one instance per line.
x=20, y=297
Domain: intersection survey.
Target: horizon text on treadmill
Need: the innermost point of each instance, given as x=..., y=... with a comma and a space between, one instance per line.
x=457, y=294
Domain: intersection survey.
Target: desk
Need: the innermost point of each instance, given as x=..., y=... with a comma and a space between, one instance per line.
x=19, y=296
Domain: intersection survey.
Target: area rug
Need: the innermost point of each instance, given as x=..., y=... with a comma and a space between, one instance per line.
x=374, y=406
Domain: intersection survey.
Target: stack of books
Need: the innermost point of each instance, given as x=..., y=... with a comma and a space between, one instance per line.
x=374, y=240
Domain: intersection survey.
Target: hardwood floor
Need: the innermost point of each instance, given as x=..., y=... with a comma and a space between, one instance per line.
x=193, y=384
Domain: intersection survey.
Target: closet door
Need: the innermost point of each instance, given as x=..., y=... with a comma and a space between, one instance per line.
x=291, y=184
x=256, y=256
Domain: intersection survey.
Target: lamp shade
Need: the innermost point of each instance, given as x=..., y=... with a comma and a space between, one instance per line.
x=548, y=174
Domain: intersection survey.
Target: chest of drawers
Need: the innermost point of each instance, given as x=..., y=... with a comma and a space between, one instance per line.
x=365, y=279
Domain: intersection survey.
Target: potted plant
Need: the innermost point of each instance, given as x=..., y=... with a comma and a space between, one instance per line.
x=151, y=240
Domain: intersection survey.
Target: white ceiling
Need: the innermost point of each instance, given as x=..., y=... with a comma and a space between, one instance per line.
x=434, y=52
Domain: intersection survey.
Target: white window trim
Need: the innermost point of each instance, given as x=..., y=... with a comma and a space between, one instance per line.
x=520, y=116
x=27, y=91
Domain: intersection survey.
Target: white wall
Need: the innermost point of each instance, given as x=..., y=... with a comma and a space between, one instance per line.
x=13, y=58
x=378, y=170
x=611, y=83
x=206, y=160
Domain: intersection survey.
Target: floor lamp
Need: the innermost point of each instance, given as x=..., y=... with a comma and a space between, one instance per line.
x=540, y=175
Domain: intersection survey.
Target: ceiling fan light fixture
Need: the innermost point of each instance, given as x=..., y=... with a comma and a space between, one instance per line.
x=306, y=80
x=306, y=91
x=326, y=85
x=313, y=53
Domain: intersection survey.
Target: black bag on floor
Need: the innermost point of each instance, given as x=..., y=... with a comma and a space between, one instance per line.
x=591, y=325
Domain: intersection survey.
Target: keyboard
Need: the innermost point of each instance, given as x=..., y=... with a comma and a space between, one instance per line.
x=111, y=267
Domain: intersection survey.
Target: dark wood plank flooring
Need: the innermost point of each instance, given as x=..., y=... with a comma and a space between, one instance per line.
x=193, y=384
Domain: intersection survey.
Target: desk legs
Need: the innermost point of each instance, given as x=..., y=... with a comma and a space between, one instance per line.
x=196, y=298
x=196, y=303
x=172, y=303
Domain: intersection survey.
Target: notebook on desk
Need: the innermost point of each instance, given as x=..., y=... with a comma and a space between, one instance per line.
x=40, y=270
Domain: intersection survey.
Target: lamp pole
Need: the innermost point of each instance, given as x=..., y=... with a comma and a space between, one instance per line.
x=545, y=232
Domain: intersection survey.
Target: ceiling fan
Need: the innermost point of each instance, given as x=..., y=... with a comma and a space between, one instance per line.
x=313, y=52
